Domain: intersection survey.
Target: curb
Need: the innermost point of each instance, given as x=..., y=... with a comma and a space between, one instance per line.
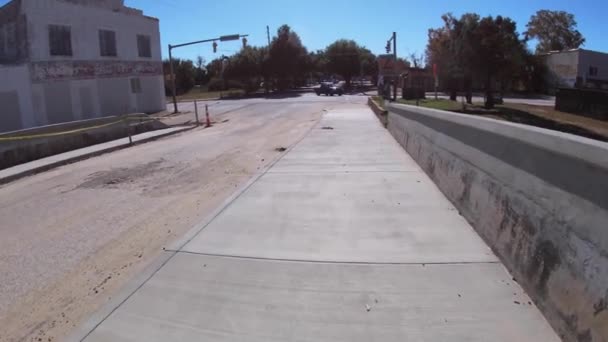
x=53, y=165
x=382, y=114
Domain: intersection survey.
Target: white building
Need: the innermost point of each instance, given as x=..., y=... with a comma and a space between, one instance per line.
x=577, y=68
x=65, y=60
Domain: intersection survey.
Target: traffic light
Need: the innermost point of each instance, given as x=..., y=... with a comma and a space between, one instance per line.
x=388, y=46
x=244, y=42
x=214, y=47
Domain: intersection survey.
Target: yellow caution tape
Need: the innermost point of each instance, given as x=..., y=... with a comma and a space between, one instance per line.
x=55, y=134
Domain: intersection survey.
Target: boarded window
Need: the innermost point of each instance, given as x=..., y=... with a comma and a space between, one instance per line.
x=592, y=71
x=135, y=85
x=143, y=46
x=60, y=40
x=107, y=43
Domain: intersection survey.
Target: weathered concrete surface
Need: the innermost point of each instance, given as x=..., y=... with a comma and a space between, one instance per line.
x=539, y=198
x=380, y=112
x=203, y=298
x=344, y=246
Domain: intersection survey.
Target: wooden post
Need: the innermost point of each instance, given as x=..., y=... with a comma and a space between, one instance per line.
x=196, y=113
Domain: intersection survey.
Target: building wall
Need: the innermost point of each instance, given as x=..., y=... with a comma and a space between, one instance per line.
x=563, y=69
x=538, y=199
x=15, y=98
x=596, y=60
x=85, y=85
x=13, y=34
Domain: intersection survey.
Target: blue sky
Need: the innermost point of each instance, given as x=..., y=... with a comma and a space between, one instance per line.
x=369, y=22
x=320, y=22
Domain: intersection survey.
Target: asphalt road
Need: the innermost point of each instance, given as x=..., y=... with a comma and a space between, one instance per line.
x=71, y=237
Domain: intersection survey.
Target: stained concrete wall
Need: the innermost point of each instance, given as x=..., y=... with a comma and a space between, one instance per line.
x=562, y=69
x=85, y=85
x=14, y=152
x=85, y=22
x=539, y=198
x=13, y=33
x=15, y=98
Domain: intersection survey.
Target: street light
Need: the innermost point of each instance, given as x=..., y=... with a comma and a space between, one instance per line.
x=214, y=40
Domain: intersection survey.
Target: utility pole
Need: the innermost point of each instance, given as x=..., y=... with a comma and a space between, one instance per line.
x=268, y=34
x=172, y=80
x=171, y=47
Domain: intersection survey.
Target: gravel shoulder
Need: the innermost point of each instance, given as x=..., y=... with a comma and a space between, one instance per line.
x=73, y=236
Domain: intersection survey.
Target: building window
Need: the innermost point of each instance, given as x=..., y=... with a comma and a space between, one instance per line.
x=143, y=46
x=107, y=43
x=592, y=71
x=135, y=85
x=60, y=40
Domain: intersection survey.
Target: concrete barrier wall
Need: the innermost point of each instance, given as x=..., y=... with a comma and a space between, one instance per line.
x=539, y=198
x=14, y=152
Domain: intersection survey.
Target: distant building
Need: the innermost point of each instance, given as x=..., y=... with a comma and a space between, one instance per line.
x=65, y=60
x=577, y=68
x=420, y=78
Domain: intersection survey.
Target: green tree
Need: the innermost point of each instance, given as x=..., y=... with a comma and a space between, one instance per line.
x=318, y=64
x=184, y=76
x=344, y=58
x=499, y=52
x=555, y=30
x=369, y=64
x=287, y=58
x=201, y=72
x=440, y=52
x=246, y=66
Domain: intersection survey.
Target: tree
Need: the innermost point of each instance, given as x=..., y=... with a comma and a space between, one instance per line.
x=246, y=67
x=318, y=64
x=439, y=51
x=555, y=30
x=417, y=61
x=499, y=52
x=369, y=64
x=344, y=59
x=184, y=76
x=201, y=72
x=287, y=57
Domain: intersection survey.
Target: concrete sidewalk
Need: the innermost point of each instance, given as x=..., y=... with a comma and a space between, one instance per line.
x=344, y=239
x=19, y=171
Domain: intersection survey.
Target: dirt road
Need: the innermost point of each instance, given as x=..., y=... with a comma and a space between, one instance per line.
x=73, y=236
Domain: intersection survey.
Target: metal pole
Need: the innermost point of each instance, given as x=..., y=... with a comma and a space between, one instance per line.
x=196, y=113
x=396, y=77
x=268, y=34
x=208, y=121
x=128, y=127
x=173, y=91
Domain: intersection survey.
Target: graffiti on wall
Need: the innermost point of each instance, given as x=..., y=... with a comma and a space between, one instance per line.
x=81, y=70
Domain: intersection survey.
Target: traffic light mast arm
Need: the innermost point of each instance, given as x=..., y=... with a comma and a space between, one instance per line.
x=171, y=47
x=222, y=38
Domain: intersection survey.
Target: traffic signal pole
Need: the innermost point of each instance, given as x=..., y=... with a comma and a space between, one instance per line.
x=395, y=53
x=388, y=50
x=171, y=69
